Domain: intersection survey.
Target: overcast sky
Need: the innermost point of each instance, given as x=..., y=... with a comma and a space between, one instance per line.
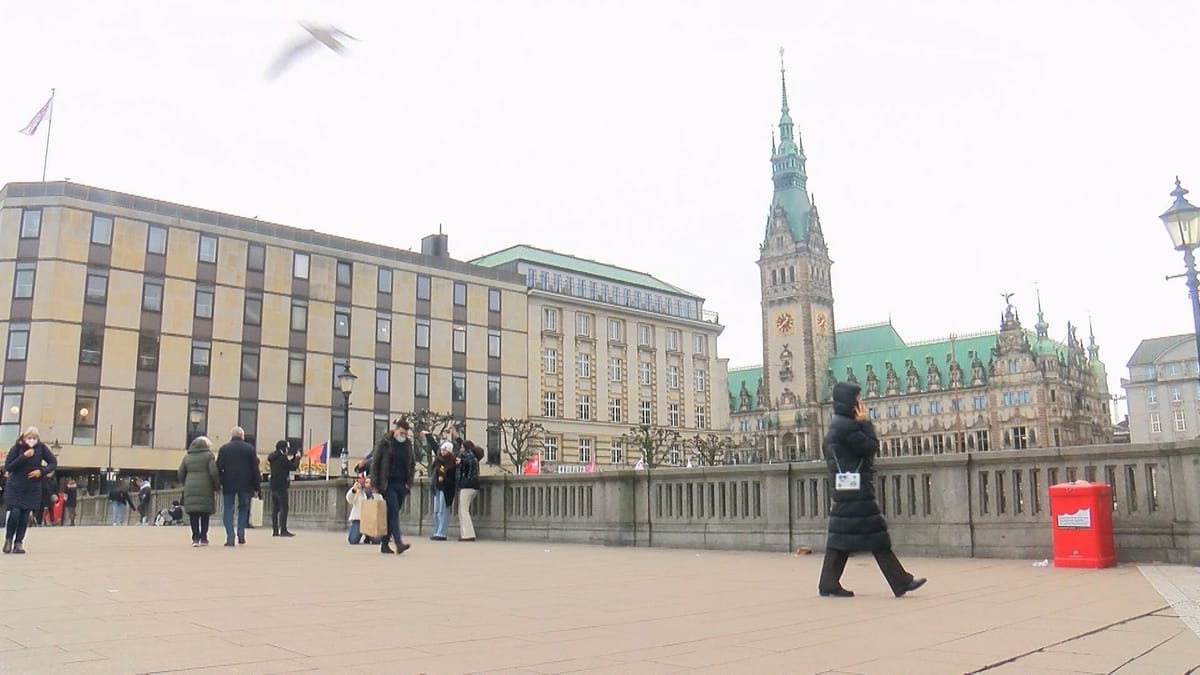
x=957, y=150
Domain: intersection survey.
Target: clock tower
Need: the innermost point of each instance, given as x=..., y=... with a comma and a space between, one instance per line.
x=794, y=266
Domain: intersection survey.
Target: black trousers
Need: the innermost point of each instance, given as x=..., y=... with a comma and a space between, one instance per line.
x=199, y=523
x=279, y=510
x=835, y=563
x=16, y=522
x=394, y=498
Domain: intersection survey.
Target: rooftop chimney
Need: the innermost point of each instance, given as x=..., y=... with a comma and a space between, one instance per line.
x=437, y=245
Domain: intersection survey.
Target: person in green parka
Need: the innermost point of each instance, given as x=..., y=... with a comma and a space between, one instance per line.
x=198, y=473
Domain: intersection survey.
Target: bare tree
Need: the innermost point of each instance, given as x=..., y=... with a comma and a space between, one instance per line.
x=426, y=421
x=520, y=439
x=710, y=449
x=654, y=442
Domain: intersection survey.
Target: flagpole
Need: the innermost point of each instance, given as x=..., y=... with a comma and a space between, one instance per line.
x=49, y=128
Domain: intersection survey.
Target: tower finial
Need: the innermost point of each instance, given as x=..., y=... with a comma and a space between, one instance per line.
x=783, y=80
x=1042, y=328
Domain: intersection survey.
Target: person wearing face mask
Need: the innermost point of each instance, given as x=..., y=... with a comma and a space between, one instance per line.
x=393, y=465
x=27, y=462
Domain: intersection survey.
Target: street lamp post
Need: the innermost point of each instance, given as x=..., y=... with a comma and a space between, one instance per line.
x=1182, y=221
x=195, y=414
x=346, y=385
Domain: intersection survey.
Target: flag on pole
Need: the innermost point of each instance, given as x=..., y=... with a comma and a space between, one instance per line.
x=591, y=465
x=533, y=465
x=31, y=128
x=319, y=453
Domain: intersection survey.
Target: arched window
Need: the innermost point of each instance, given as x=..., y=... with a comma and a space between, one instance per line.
x=792, y=274
x=774, y=282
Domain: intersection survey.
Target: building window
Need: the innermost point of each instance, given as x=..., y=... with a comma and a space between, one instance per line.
x=644, y=375
x=459, y=342
x=256, y=259
x=698, y=380
x=615, y=410
x=341, y=322
x=300, y=263
x=914, y=409
x=616, y=452
x=208, y=249
x=383, y=281
x=645, y=335
x=299, y=315
x=143, y=422
x=584, y=365
x=250, y=365
x=383, y=329
x=493, y=343
x=675, y=455
x=252, y=312
x=31, y=223
x=380, y=426
x=550, y=449
x=549, y=361
x=616, y=330
x=10, y=414
x=340, y=365
x=645, y=414
x=493, y=390
x=204, y=302
x=1152, y=397
x=674, y=338
x=1180, y=421
x=458, y=386
x=460, y=294
x=23, y=280
x=248, y=421
x=18, y=341
x=1176, y=394
x=1172, y=369
x=345, y=273
x=1155, y=423
x=147, y=357
x=585, y=407
x=1020, y=438
x=423, y=287
x=383, y=379
x=979, y=402
x=672, y=377
x=550, y=404
x=982, y=443
x=86, y=408
x=583, y=324
x=1024, y=398
x=201, y=351
x=294, y=424
x=97, y=288
x=421, y=383
x=295, y=369
x=102, y=229
x=699, y=344
x=91, y=345
x=422, y=333
x=493, y=299
x=672, y=414
x=701, y=417
x=616, y=368
x=585, y=450
x=156, y=242
x=550, y=319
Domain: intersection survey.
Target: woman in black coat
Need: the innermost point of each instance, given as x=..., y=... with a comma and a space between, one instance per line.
x=855, y=521
x=27, y=462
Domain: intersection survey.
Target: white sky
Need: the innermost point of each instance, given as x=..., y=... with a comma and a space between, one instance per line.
x=957, y=150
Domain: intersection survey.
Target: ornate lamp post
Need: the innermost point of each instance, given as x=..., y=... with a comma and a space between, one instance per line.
x=195, y=414
x=1182, y=221
x=346, y=385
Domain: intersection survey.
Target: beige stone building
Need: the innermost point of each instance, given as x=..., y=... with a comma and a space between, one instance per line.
x=612, y=348
x=1162, y=390
x=127, y=314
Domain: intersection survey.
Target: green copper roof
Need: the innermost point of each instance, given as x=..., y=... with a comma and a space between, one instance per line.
x=787, y=173
x=868, y=338
x=537, y=256
x=938, y=349
x=736, y=376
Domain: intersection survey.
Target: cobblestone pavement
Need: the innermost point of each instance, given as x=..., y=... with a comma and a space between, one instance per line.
x=140, y=599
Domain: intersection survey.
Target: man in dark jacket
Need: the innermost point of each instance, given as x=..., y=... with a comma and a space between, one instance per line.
x=855, y=521
x=282, y=461
x=70, y=501
x=392, y=468
x=237, y=462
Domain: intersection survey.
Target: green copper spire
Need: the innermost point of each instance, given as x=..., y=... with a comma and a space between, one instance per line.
x=1042, y=328
x=787, y=170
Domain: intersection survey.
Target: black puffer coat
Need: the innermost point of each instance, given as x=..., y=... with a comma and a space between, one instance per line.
x=20, y=490
x=855, y=522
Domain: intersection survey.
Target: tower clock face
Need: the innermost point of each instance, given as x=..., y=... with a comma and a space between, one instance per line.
x=822, y=322
x=785, y=323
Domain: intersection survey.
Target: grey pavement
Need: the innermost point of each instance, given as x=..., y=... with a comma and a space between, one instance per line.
x=140, y=599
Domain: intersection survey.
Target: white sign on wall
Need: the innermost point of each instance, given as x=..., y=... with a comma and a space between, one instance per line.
x=1081, y=519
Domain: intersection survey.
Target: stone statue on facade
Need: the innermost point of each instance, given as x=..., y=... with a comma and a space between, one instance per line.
x=976, y=370
x=891, y=380
x=955, y=372
x=785, y=364
x=912, y=380
x=933, y=376
x=850, y=377
x=744, y=402
x=760, y=396
x=787, y=398
x=830, y=380
x=872, y=382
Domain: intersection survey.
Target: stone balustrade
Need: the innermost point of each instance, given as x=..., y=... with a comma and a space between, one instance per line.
x=991, y=504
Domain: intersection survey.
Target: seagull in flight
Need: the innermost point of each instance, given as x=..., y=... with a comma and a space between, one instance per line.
x=317, y=35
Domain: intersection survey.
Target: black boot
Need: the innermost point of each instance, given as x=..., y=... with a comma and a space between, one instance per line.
x=384, y=548
x=8, y=545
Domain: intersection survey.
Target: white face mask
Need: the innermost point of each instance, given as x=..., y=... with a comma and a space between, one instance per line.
x=400, y=436
x=31, y=442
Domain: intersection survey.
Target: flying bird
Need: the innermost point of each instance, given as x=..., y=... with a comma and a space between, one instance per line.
x=317, y=35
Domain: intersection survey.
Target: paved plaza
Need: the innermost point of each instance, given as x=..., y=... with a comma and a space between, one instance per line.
x=140, y=599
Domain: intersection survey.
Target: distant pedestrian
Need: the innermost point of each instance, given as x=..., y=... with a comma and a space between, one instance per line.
x=441, y=488
x=238, y=465
x=44, y=513
x=468, y=488
x=25, y=465
x=855, y=521
x=198, y=473
x=143, y=502
x=282, y=462
x=393, y=466
x=70, y=502
x=119, y=502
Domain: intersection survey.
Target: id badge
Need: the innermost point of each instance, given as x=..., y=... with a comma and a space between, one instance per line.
x=846, y=480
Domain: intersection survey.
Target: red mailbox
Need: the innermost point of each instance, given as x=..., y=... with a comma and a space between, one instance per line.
x=1081, y=520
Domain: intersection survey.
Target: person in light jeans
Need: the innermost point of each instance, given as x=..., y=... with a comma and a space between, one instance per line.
x=119, y=502
x=442, y=488
x=468, y=488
